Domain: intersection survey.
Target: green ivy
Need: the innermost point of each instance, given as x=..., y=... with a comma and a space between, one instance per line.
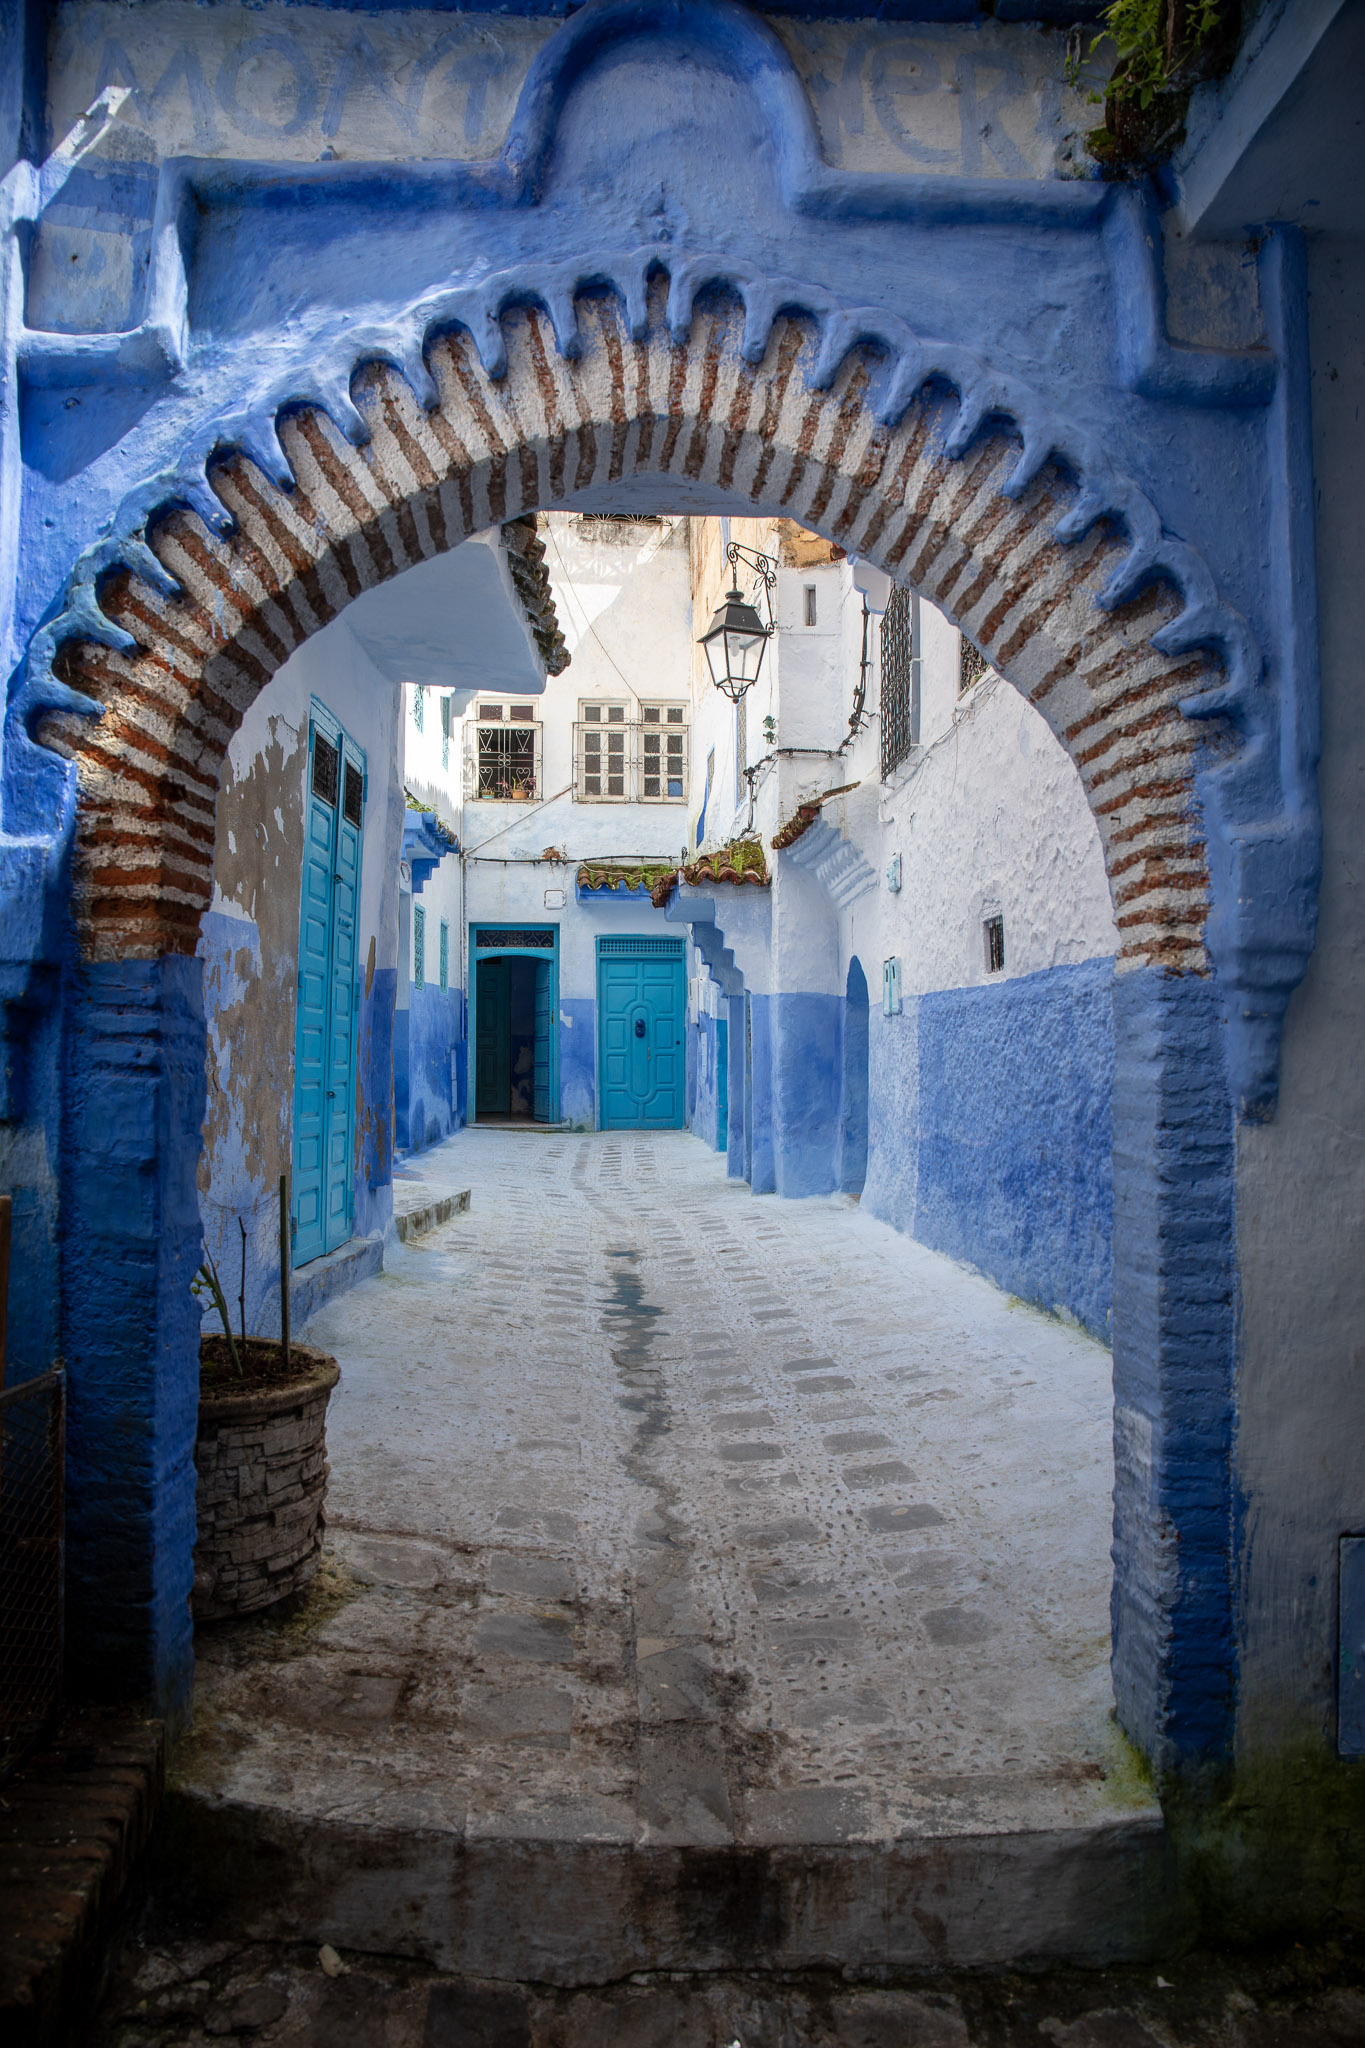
x=1152, y=59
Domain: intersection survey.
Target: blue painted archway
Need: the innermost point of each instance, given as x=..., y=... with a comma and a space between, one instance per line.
x=659, y=293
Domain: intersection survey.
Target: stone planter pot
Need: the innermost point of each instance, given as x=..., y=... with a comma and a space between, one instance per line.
x=262, y=1460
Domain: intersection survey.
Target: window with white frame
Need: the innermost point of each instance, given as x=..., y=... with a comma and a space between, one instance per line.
x=504, y=764
x=663, y=753
x=603, y=753
x=630, y=753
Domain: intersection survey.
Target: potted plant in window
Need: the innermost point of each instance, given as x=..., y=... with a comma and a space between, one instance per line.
x=261, y=1454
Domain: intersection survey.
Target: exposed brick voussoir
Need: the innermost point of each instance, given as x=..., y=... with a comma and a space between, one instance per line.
x=551, y=428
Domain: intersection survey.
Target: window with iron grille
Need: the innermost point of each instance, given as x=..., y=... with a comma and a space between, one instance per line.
x=445, y=954
x=445, y=731
x=326, y=768
x=994, y=931
x=419, y=706
x=620, y=759
x=419, y=946
x=505, y=761
x=897, y=699
x=972, y=665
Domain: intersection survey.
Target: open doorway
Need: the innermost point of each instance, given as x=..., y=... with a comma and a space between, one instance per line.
x=515, y=1001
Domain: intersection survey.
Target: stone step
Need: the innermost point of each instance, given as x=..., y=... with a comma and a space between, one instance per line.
x=415, y=1222
x=553, y=1899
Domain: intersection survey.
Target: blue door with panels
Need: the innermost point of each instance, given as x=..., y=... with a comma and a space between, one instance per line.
x=328, y=990
x=640, y=1020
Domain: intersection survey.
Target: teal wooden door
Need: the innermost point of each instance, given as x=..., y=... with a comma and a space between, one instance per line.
x=493, y=1038
x=640, y=1034
x=328, y=992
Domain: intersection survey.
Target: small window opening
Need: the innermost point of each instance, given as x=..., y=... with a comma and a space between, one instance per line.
x=522, y=714
x=994, y=929
x=419, y=706
x=445, y=954
x=326, y=769
x=355, y=793
x=419, y=946
x=810, y=604
x=490, y=711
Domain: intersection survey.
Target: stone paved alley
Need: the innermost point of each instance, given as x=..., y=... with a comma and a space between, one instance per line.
x=669, y=1523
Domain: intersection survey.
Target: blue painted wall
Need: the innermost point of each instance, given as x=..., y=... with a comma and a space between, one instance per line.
x=374, y=1114
x=131, y=1246
x=704, y=1051
x=428, y=1037
x=578, y=1061
x=762, y=1164
x=991, y=1133
x=806, y=1078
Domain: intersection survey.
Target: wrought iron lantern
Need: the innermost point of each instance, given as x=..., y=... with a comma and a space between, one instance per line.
x=737, y=636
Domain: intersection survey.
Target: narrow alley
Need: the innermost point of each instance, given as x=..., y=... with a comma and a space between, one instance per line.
x=667, y=1520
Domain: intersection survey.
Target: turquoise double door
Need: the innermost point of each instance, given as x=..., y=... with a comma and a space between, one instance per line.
x=641, y=1015
x=328, y=991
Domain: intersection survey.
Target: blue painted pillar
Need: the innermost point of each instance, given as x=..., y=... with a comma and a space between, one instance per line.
x=130, y=1327
x=1174, y=1354
x=736, y=1144
x=759, y=1106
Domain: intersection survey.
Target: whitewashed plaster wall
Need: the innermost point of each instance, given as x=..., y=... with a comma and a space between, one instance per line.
x=624, y=604
x=434, y=775
x=990, y=820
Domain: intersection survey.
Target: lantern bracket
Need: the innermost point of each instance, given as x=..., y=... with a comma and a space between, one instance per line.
x=763, y=567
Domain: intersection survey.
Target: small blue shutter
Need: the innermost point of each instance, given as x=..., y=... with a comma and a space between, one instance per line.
x=419, y=946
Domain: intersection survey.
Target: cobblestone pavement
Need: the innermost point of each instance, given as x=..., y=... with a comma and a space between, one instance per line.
x=170, y=1993
x=664, y=1519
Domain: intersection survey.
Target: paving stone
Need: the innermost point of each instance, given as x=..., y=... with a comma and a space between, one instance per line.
x=534, y=1638
x=958, y=1625
x=890, y=1472
x=462, y=2016
x=896, y=1519
x=541, y=1578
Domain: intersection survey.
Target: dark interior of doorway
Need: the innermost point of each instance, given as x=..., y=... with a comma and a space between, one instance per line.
x=513, y=1035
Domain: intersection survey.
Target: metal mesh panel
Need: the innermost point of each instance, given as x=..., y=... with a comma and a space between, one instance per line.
x=353, y=802
x=896, y=721
x=484, y=937
x=640, y=949
x=326, y=769
x=32, y=1466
